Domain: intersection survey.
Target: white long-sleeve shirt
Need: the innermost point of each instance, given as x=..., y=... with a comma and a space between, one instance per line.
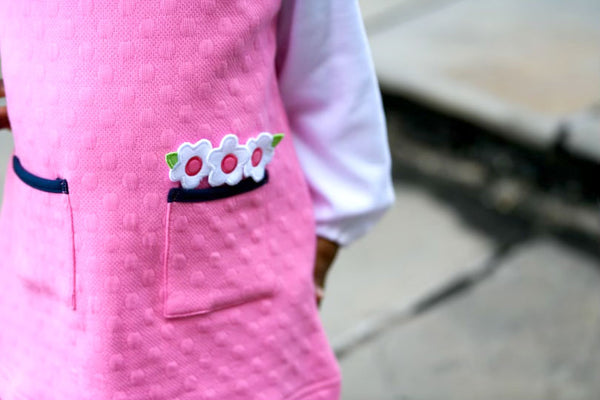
x=330, y=91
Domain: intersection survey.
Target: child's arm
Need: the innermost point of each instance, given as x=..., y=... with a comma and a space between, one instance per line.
x=330, y=91
x=4, y=121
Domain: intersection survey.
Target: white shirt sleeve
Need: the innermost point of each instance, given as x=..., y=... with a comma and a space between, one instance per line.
x=330, y=92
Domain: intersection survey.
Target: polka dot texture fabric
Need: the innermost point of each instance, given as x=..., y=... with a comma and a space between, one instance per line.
x=109, y=292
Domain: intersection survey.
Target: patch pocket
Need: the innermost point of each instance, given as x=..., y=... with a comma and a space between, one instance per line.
x=216, y=253
x=42, y=245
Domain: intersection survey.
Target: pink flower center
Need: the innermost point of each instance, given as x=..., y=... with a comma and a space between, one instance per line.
x=256, y=156
x=229, y=163
x=193, y=166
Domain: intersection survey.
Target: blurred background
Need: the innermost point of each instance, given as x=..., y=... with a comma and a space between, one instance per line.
x=483, y=280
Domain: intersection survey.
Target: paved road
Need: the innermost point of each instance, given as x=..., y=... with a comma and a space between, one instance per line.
x=530, y=331
x=521, y=67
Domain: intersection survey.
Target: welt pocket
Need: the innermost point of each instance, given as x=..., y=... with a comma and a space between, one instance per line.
x=42, y=245
x=57, y=185
x=216, y=255
x=214, y=193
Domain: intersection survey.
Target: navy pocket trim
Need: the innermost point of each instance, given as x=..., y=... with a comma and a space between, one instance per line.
x=181, y=195
x=57, y=185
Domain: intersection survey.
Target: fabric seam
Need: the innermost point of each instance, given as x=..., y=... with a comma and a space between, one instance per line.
x=73, y=252
x=166, y=260
x=57, y=185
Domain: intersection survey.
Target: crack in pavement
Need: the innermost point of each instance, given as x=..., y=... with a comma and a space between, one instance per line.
x=369, y=328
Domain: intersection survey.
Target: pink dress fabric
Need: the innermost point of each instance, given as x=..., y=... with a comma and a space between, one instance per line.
x=109, y=292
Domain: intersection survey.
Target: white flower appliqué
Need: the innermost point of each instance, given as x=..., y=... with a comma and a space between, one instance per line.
x=191, y=165
x=227, y=162
x=261, y=152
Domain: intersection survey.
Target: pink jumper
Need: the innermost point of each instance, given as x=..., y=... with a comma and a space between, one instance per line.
x=110, y=290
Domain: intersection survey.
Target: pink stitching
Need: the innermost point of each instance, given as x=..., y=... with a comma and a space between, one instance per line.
x=166, y=260
x=74, y=295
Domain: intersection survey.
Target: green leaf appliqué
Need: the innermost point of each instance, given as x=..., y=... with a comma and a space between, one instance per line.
x=171, y=159
x=277, y=138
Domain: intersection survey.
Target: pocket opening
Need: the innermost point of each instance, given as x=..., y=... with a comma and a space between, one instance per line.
x=45, y=256
x=215, y=257
x=214, y=193
x=57, y=185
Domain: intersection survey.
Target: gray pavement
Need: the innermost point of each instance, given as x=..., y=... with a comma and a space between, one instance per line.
x=530, y=331
x=525, y=329
x=381, y=14
x=416, y=249
x=529, y=70
x=521, y=67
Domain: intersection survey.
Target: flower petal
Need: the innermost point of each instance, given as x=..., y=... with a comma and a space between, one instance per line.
x=235, y=176
x=202, y=147
x=229, y=143
x=177, y=172
x=267, y=156
x=264, y=140
x=190, y=182
x=185, y=151
x=242, y=154
x=257, y=173
x=216, y=177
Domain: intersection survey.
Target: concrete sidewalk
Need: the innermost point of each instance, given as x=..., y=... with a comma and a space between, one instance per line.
x=526, y=329
x=529, y=332
x=529, y=69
